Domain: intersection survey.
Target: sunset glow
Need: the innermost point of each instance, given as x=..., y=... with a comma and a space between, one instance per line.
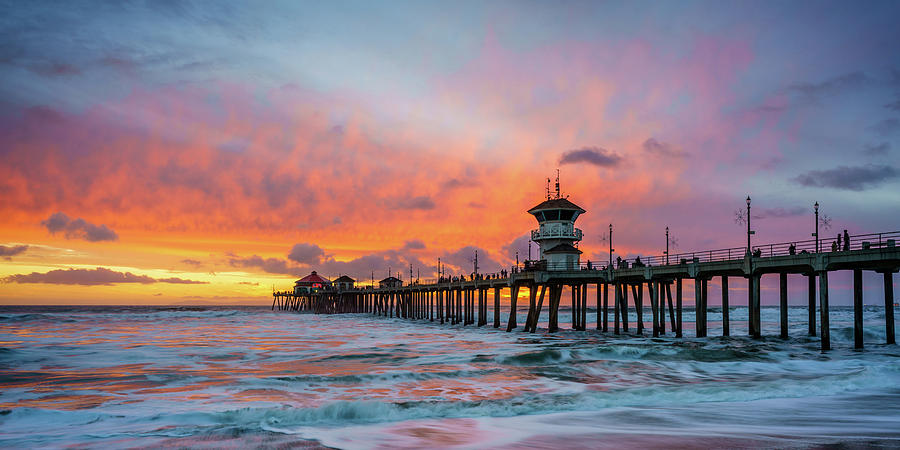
x=152, y=153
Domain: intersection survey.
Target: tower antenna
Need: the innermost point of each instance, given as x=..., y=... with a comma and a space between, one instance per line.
x=548, y=188
x=557, y=183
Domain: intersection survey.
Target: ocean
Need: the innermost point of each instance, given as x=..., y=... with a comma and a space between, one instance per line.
x=245, y=377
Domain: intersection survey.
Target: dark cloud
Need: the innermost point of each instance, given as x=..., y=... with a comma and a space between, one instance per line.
x=306, y=254
x=894, y=105
x=848, y=178
x=248, y=283
x=886, y=127
x=422, y=202
x=91, y=277
x=813, y=93
x=780, y=212
x=192, y=262
x=8, y=251
x=414, y=244
x=55, y=69
x=877, y=150
x=655, y=147
x=270, y=265
x=463, y=260
x=591, y=155
x=78, y=228
x=519, y=244
x=452, y=183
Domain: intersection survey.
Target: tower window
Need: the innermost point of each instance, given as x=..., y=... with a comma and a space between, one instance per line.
x=566, y=215
x=552, y=214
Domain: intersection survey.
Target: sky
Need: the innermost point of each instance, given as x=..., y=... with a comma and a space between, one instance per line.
x=208, y=152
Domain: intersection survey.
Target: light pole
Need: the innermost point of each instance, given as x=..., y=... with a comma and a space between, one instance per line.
x=749, y=250
x=610, y=246
x=667, y=246
x=816, y=208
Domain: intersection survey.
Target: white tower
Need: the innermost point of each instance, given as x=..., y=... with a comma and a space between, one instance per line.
x=557, y=234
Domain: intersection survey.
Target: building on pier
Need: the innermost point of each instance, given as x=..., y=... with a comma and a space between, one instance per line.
x=344, y=283
x=390, y=282
x=310, y=284
x=557, y=236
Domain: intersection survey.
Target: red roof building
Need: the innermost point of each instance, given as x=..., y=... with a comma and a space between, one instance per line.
x=312, y=281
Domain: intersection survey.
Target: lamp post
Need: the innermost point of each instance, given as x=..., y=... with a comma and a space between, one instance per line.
x=610, y=246
x=667, y=246
x=816, y=209
x=749, y=250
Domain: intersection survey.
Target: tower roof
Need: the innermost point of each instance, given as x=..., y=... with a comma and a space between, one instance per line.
x=556, y=203
x=313, y=278
x=345, y=279
x=563, y=248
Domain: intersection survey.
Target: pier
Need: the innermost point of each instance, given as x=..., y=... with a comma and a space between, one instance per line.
x=624, y=284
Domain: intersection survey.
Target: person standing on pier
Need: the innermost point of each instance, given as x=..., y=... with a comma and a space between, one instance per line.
x=846, y=241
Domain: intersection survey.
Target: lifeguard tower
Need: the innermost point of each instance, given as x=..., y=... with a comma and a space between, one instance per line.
x=557, y=236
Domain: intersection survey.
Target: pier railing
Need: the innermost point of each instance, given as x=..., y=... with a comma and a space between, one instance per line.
x=857, y=242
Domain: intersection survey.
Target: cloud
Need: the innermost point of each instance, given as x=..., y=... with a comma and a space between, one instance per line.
x=78, y=228
x=55, y=69
x=813, y=93
x=414, y=244
x=306, y=254
x=894, y=105
x=886, y=127
x=877, y=150
x=463, y=259
x=780, y=212
x=591, y=155
x=655, y=147
x=520, y=245
x=848, y=178
x=270, y=265
x=422, y=202
x=91, y=277
x=192, y=262
x=7, y=252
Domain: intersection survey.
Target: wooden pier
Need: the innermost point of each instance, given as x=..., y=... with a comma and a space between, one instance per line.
x=467, y=302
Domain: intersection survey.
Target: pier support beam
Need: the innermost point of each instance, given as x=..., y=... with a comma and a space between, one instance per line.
x=513, y=297
x=637, y=292
x=652, y=290
x=700, y=306
x=624, y=309
x=783, y=282
x=889, y=307
x=726, y=311
x=555, y=297
x=616, y=302
x=678, y=306
x=537, y=312
x=857, y=309
x=497, y=307
x=824, y=330
x=755, y=312
x=599, y=304
x=811, y=290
